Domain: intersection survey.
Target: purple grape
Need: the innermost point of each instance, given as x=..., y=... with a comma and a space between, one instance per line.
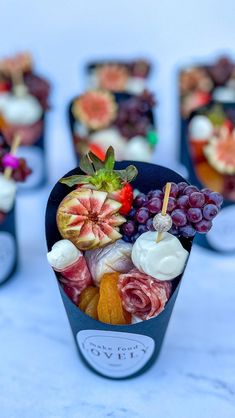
x=155, y=205
x=210, y=211
x=178, y=217
x=194, y=215
x=174, y=190
x=142, y=215
x=190, y=189
x=203, y=226
x=174, y=230
x=126, y=239
x=183, y=202
x=215, y=198
x=149, y=224
x=155, y=193
x=187, y=231
x=132, y=213
x=171, y=204
x=181, y=186
x=140, y=200
x=197, y=200
x=142, y=229
x=206, y=193
x=128, y=228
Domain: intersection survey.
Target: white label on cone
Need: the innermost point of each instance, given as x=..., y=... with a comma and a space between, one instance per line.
x=222, y=235
x=115, y=354
x=34, y=159
x=7, y=254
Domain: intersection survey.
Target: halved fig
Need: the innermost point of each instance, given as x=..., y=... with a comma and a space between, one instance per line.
x=89, y=218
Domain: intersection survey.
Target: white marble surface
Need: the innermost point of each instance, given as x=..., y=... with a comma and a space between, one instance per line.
x=42, y=376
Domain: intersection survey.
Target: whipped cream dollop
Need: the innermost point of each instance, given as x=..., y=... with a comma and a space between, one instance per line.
x=164, y=260
x=21, y=109
x=62, y=254
x=7, y=193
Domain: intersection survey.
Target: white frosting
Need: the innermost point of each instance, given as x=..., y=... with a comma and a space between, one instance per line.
x=164, y=260
x=110, y=137
x=22, y=109
x=135, y=85
x=114, y=257
x=138, y=149
x=200, y=128
x=7, y=193
x=62, y=254
x=224, y=94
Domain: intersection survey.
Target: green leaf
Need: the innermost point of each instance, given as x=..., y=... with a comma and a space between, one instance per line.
x=86, y=165
x=131, y=173
x=98, y=164
x=109, y=159
x=74, y=180
x=128, y=174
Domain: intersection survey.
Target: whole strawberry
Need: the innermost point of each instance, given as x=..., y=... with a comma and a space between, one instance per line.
x=100, y=175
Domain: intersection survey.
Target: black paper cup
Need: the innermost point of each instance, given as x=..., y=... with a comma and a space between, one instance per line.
x=119, y=98
x=8, y=247
x=35, y=156
x=222, y=236
x=117, y=351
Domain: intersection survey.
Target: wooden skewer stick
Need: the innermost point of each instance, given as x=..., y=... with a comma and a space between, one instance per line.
x=164, y=207
x=15, y=144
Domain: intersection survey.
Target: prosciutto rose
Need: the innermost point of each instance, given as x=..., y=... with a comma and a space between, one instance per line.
x=142, y=295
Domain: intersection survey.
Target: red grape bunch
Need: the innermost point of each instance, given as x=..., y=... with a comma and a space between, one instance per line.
x=192, y=210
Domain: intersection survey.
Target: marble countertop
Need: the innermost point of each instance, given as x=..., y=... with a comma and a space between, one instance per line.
x=41, y=374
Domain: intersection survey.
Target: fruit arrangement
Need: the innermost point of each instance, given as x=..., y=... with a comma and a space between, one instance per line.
x=99, y=118
x=12, y=170
x=211, y=135
x=199, y=85
x=119, y=76
x=119, y=257
x=23, y=99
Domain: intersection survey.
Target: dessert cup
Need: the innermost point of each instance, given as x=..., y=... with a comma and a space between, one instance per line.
x=117, y=351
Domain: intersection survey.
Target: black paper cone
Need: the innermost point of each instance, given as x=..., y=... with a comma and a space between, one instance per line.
x=117, y=351
x=224, y=224
x=8, y=246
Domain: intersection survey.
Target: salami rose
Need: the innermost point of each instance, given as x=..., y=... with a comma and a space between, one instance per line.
x=142, y=295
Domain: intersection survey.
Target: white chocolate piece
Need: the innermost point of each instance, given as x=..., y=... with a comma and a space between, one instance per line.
x=135, y=85
x=22, y=110
x=200, y=128
x=7, y=193
x=62, y=254
x=164, y=260
x=115, y=257
x=162, y=223
x=224, y=94
x=138, y=149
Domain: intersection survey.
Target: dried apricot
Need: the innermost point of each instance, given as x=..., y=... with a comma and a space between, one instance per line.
x=110, y=308
x=88, y=301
